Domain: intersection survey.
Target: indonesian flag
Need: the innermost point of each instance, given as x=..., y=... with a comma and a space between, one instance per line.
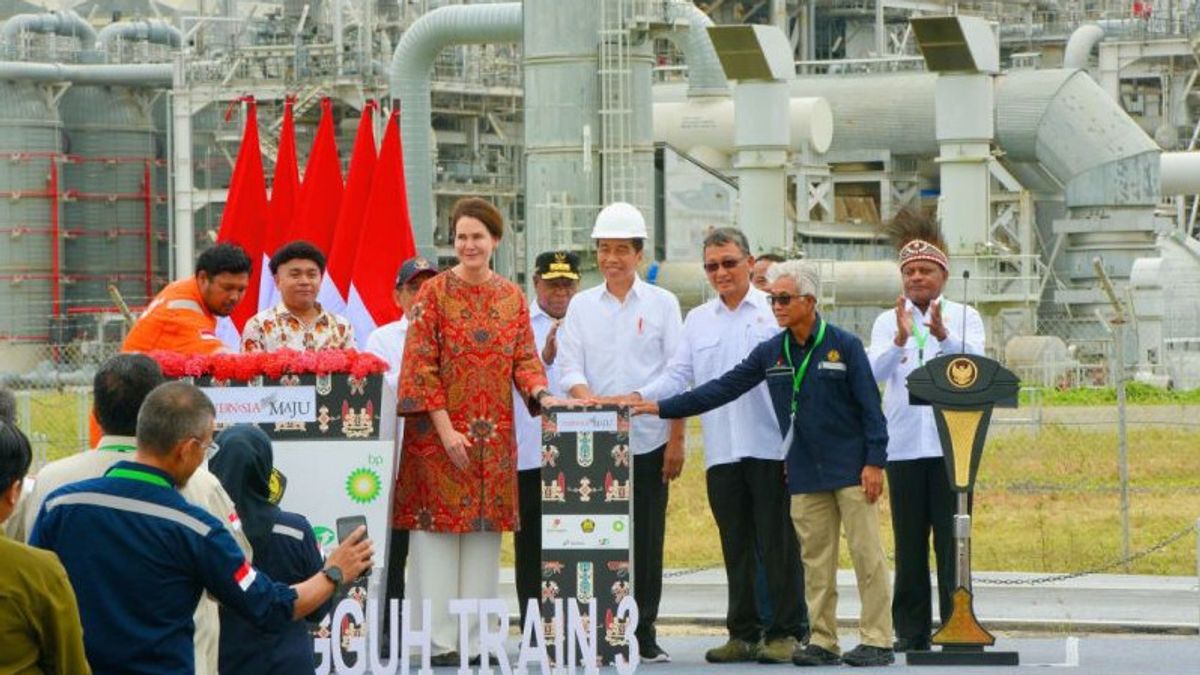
x=243, y=219
x=386, y=240
x=235, y=523
x=285, y=193
x=336, y=284
x=245, y=576
x=321, y=194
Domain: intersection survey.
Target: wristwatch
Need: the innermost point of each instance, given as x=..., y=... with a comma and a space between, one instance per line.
x=334, y=574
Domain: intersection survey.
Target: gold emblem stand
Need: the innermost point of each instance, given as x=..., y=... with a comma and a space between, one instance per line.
x=962, y=389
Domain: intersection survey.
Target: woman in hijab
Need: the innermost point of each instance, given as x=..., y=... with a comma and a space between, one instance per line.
x=284, y=547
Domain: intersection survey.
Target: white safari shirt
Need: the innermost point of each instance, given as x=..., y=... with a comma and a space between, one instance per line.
x=912, y=433
x=715, y=339
x=529, y=427
x=616, y=347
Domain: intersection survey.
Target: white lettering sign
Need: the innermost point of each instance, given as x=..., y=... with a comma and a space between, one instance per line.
x=582, y=635
x=577, y=422
x=263, y=405
x=587, y=531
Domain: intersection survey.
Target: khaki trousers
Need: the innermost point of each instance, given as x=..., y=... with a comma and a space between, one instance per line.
x=819, y=518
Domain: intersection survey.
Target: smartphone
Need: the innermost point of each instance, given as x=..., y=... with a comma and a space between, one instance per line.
x=346, y=526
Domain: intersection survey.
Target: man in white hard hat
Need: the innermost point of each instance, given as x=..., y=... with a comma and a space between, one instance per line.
x=615, y=338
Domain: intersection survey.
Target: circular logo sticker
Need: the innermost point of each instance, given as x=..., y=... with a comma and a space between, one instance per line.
x=962, y=372
x=363, y=485
x=588, y=525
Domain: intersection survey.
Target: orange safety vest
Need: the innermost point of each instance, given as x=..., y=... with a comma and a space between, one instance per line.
x=177, y=320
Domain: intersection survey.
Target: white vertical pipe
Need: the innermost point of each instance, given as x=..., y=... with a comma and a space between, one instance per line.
x=181, y=165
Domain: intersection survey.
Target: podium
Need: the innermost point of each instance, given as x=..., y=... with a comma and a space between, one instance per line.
x=963, y=389
x=587, y=531
x=332, y=467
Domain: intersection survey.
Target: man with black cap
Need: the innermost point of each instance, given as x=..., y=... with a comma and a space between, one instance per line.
x=555, y=282
x=387, y=342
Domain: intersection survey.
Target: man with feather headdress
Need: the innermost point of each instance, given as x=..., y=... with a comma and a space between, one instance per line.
x=922, y=326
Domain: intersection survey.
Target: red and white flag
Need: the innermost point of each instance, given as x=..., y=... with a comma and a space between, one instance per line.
x=285, y=193
x=386, y=240
x=336, y=284
x=243, y=220
x=321, y=193
x=245, y=576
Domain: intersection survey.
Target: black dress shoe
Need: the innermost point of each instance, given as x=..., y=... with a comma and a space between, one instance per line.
x=910, y=645
x=443, y=660
x=474, y=661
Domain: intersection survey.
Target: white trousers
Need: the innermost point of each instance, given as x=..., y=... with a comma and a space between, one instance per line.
x=443, y=566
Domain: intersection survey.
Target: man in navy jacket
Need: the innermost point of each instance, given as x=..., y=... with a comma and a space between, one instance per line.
x=827, y=404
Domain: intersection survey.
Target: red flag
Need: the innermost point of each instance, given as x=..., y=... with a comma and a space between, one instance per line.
x=336, y=285
x=321, y=194
x=245, y=211
x=385, y=242
x=285, y=193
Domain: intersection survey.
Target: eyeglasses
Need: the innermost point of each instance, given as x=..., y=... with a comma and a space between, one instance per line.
x=783, y=299
x=211, y=449
x=728, y=263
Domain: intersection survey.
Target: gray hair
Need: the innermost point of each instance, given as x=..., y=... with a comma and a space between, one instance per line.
x=171, y=414
x=805, y=274
x=8, y=406
x=727, y=235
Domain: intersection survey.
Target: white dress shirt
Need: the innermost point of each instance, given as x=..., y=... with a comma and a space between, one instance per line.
x=387, y=342
x=529, y=427
x=715, y=339
x=616, y=347
x=912, y=433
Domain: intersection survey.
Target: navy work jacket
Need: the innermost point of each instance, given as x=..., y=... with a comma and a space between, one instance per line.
x=839, y=424
x=139, y=556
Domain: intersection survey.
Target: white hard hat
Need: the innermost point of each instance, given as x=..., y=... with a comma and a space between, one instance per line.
x=619, y=220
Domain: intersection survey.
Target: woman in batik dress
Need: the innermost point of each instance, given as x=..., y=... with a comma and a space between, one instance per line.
x=469, y=343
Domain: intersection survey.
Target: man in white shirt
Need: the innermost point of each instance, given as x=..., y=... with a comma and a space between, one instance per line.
x=923, y=326
x=743, y=456
x=615, y=338
x=555, y=282
x=387, y=342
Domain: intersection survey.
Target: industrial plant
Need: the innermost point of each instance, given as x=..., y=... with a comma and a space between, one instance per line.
x=1056, y=140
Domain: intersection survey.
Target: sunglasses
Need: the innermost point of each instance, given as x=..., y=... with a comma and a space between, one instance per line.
x=728, y=263
x=783, y=299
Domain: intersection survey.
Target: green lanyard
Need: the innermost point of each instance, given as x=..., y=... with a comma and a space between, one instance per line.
x=798, y=373
x=116, y=447
x=921, y=336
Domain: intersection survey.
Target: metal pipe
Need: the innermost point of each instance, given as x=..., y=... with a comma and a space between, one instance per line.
x=409, y=74
x=134, y=75
x=66, y=23
x=705, y=75
x=1180, y=173
x=1060, y=119
x=154, y=31
x=1080, y=45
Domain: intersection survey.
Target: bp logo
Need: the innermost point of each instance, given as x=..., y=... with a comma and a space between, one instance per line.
x=326, y=539
x=363, y=486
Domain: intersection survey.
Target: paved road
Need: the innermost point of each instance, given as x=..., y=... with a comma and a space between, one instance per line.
x=1094, y=655
x=1098, y=603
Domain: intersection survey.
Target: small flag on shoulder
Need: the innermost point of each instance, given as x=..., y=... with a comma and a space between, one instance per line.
x=245, y=576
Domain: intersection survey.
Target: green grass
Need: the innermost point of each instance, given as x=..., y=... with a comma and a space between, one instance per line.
x=1045, y=503
x=1136, y=393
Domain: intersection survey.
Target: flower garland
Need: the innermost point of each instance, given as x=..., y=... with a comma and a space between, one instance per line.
x=272, y=365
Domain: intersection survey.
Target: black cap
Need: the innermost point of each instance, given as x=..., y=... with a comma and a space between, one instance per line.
x=412, y=267
x=557, y=265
